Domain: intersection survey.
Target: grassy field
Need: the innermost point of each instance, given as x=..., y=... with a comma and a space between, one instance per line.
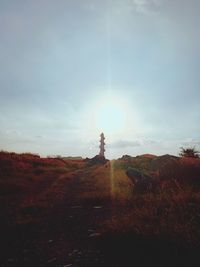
x=62, y=212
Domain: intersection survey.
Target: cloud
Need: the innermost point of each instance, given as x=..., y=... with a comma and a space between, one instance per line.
x=191, y=142
x=140, y=6
x=139, y=142
x=124, y=6
x=146, y=3
x=124, y=144
x=39, y=136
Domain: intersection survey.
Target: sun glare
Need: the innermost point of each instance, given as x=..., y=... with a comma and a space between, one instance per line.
x=110, y=117
x=111, y=114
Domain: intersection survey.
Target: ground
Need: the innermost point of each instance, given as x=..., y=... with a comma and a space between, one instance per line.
x=63, y=213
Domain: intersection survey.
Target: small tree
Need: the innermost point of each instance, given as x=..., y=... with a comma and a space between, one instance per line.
x=189, y=152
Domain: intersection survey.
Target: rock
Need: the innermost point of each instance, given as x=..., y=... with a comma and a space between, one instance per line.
x=125, y=157
x=141, y=181
x=51, y=260
x=134, y=174
x=94, y=235
x=97, y=160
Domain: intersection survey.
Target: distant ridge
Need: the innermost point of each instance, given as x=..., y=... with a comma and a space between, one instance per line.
x=72, y=158
x=128, y=157
x=150, y=156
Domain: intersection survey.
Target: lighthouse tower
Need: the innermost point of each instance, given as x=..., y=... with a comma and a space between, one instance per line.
x=102, y=145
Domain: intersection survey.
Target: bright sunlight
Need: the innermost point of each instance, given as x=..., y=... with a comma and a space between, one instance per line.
x=110, y=117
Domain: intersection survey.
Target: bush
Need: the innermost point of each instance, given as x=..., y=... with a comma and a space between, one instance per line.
x=189, y=152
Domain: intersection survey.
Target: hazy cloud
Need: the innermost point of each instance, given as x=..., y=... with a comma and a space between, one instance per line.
x=131, y=143
x=190, y=142
x=124, y=144
x=145, y=6
x=121, y=7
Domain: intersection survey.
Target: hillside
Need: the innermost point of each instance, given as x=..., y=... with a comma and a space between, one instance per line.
x=57, y=212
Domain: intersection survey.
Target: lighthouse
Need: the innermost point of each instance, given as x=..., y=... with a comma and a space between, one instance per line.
x=102, y=145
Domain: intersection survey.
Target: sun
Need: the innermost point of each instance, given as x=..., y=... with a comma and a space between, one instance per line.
x=110, y=117
x=110, y=113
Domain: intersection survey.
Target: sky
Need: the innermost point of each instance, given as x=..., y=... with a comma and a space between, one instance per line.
x=70, y=69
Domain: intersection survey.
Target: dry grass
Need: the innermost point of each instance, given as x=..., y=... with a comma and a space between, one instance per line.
x=34, y=190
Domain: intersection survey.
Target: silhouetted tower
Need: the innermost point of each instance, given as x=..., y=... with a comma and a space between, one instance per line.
x=102, y=145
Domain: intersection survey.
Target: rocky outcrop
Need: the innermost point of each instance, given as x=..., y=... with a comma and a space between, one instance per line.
x=97, y=160
x=142, y=182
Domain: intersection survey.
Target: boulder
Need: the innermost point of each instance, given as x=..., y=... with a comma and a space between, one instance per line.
x=97, y=160
x=142, y=182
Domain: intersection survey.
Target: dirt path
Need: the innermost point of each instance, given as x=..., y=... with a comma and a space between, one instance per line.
x=66, y=233
x=58, y=220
